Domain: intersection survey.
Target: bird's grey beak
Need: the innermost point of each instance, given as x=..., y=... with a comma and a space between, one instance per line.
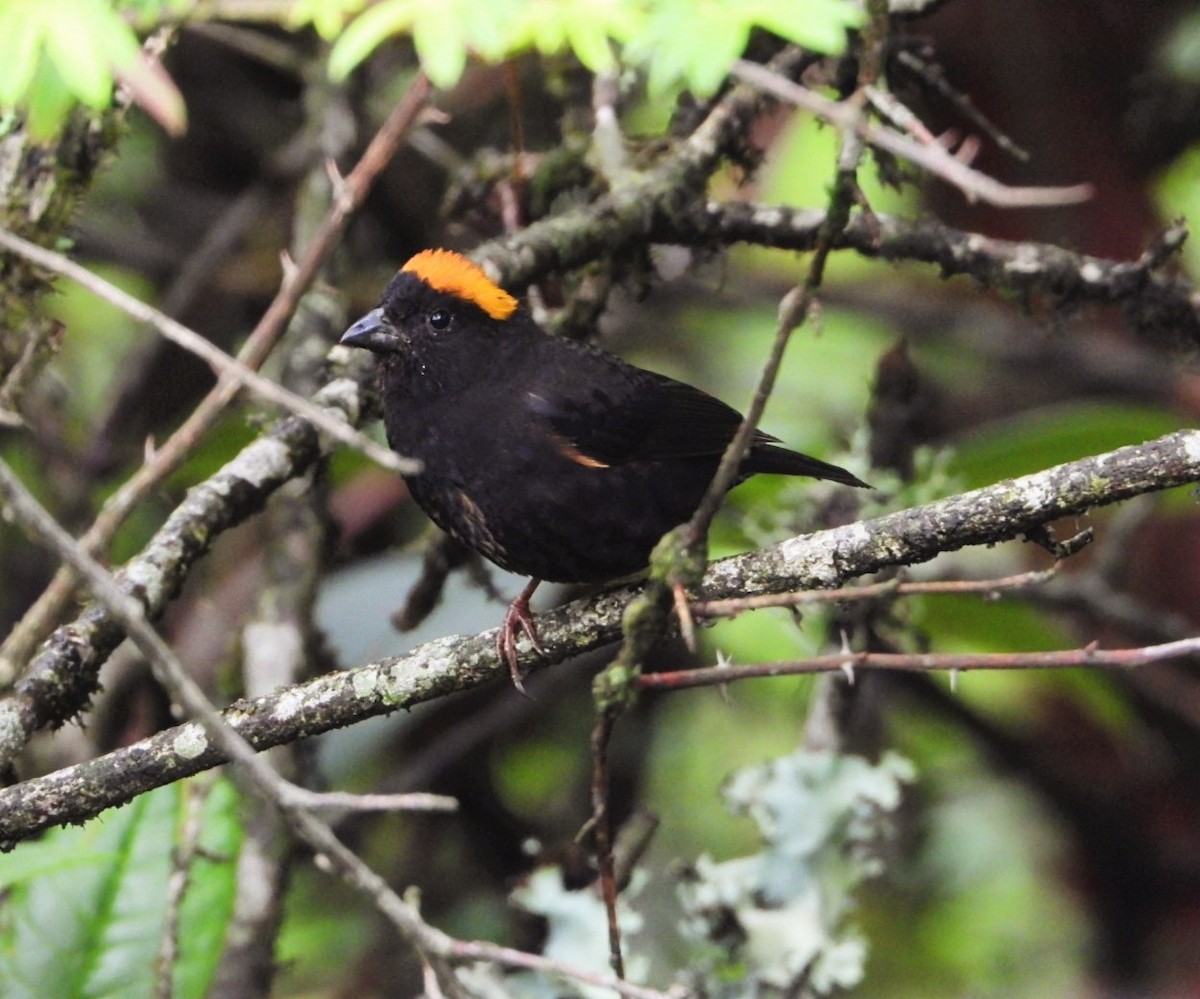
x=372, y=332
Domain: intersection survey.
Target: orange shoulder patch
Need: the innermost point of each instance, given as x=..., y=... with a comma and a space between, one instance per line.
x=454, y=274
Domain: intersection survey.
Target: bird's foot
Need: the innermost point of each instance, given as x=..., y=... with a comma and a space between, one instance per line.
x=518, y=618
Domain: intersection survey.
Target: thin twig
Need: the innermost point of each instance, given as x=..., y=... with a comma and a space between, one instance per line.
x=933, y=158
x=476, y=950
x=793, y=310
x=183, y=859
x=344, y=801
x=871, y=591
x=932, y=76
x=600, y=825
x=223, y=364
x=1088, y=656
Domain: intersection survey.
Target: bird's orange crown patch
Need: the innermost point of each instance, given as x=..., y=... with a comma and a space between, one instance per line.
x=454, y=274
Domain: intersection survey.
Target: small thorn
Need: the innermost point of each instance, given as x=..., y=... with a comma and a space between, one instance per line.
x=687, y=624
x=724, y=662
x=337, y=179
x=288, y=264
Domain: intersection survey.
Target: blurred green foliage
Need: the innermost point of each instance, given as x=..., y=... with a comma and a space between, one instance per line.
x=57, y=53
x=86, y=908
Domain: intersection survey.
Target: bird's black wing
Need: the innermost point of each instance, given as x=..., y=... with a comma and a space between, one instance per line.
x=609, y=412
x=622, y=413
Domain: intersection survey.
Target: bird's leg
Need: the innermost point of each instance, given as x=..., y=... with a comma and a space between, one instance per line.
x=518, y=618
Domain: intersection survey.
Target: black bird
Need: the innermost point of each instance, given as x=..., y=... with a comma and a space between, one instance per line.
x=552, y=458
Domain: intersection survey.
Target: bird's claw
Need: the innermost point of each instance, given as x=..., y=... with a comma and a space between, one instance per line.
x=518, y=618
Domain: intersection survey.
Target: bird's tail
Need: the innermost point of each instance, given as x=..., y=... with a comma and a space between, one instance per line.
x=772, y=459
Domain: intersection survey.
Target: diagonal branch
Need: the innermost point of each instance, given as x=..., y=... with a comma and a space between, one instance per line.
x=826, y=559
x=929, y=156
x=223, y=364
x=925, y=662
x=351, y=193
x=63, y=676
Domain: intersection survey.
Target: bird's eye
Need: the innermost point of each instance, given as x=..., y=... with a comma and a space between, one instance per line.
x=439, y=319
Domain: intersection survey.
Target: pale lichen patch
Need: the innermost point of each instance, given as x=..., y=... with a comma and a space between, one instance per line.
x=1191, y=446
x=191, y=742
x=365, y=683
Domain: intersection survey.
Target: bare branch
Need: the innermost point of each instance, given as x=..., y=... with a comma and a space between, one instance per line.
x=848, y=662
x=343, y=801
x=63, y=676
x=1153, y=302
x=193, y=342
x=931, y=157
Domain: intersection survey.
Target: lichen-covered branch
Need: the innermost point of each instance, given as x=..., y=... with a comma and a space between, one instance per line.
x=63, y=676
x=1154, y=301
x=829, y=558
x=623, y=217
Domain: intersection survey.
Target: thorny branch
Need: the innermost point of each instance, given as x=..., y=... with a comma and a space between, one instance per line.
x=849, y=662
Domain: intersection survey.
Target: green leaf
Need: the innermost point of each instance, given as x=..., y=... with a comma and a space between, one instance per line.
x=84, y=44
x=440, y=40
x=694, y=42
x=85, y=907
x=490, y=31
x=586, y=27
x=58, y=949
x=58, y=52
x=207, y=907
x=48, y=102
x=367, y=32
x=327, y=17
x=820, y=25
x=592, y=46
x=21, y=28
x=688, y=41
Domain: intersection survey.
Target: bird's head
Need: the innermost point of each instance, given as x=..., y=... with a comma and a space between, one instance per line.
x=439, y=297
